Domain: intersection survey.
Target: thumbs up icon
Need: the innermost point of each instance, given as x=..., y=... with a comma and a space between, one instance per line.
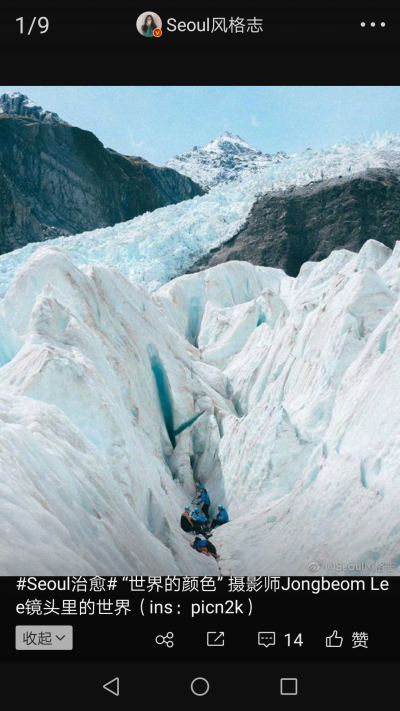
x=334, y=640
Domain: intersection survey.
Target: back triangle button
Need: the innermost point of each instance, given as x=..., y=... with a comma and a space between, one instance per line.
x=112, y=686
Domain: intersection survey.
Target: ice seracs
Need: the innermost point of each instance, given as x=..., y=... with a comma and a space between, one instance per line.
x=279, y=393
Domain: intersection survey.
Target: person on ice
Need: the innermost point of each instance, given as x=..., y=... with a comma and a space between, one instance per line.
x=197, y=515
x=201, y=545
x=221, y=517
x=199, y=522
x=186, y=521
x=203, y=499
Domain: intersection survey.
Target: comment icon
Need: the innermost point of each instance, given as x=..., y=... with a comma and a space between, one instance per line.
x=266, y=639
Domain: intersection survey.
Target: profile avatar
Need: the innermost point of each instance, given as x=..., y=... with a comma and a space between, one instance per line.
x=149, y=28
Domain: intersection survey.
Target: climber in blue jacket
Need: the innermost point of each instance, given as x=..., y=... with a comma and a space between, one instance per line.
x=204, y=499
x=199, y=522
x=221, y=517
x=196, y=516
x=201, y=545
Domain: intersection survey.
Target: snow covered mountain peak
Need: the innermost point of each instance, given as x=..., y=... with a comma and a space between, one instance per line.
x=17, y=104
x=222, y=160
x=229, y=134
x=230, y=142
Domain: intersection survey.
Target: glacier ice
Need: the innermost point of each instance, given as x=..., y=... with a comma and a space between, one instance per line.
x=156, y=247
x=279, y=393
x=84, y=441
x=121, y=385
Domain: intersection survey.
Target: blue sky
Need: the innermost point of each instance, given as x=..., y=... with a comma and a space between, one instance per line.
x=159, y=122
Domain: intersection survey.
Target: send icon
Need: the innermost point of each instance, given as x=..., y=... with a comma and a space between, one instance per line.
x=215, y=639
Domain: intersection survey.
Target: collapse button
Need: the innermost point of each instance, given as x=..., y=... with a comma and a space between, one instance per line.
x=54, y=637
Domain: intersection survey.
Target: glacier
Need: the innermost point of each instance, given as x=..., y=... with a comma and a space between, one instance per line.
x=156, y=247
x=279, y=393
x=123, y=382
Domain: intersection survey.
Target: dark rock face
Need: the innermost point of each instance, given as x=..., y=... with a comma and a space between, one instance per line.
x=57, y=179
x=287, y=228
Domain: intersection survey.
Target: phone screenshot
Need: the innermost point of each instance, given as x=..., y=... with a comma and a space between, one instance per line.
x=199, y=353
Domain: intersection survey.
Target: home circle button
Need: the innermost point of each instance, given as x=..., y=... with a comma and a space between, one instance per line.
x=200, y=686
